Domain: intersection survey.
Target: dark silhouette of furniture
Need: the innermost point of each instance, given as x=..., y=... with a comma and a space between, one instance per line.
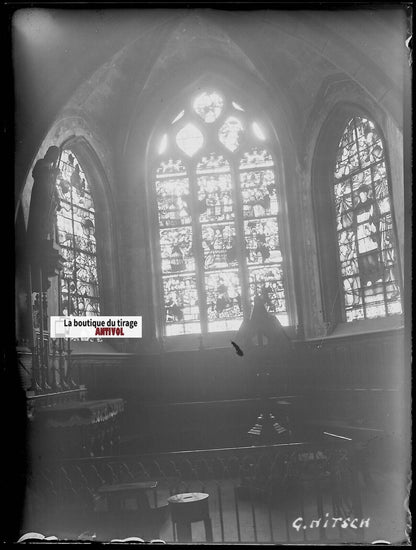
x=116, y=495
x=120, y=520
x=260, y=327
x=187, y=508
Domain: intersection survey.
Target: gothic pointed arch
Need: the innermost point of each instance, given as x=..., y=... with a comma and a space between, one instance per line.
x=359, y=256
x=86, y=229
x=216, y=203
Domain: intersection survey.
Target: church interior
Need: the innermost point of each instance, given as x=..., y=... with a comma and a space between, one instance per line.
x=241, y=180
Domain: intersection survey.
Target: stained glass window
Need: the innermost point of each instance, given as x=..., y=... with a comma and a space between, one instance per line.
x=208, y=106
x=76, y=235
x=218, y=210
x=260, y=203
x=230, y=132
x=189, y=139
x=365, y=234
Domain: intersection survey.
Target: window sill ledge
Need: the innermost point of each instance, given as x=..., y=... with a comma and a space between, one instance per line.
x=210, y=341
x=362, y=328
x=194, y=342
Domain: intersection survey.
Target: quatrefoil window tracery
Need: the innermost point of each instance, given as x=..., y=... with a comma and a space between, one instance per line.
x=220, y=126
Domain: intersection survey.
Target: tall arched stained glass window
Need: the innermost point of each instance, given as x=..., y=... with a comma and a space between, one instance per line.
x=76, y=236
x=218, y=212
x=365, y=231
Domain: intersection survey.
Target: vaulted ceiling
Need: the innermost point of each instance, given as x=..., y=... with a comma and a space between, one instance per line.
x=103, y=62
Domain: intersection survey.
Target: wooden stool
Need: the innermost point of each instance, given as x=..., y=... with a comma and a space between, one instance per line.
x=187, y=508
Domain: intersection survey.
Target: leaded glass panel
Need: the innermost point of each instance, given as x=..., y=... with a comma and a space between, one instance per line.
x=262, y=241
x=218, y=219
x=76, y=236
x=213, y=164
x=224, y=302
x=189, y=139
x=171, y=167
x=256, y=158
x=173, y=198
x=86, y=267
x=364, y=225
x=208, y=106
x=267, y=282
x=219, y=245
x=215, y=201
x=177, y=251
x=181, y=304
x=258, y=191
x=79, y=303
x=177, y=248
x=230, y=132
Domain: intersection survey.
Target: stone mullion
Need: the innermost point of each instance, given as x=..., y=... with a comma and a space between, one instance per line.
x=197, y=247
x=360, y=170
x=380, y=251
x=156, y=228
x=240, y=240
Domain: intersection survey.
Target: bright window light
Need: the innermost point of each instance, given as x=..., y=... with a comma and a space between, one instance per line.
x=189, y=139
x=163, y=144
x=178, y=117
x=237, y=106
x=258, y=131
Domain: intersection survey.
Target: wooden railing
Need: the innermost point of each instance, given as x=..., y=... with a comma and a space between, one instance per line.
x=256, y=493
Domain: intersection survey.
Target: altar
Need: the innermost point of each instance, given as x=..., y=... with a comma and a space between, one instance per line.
x=74, y=427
